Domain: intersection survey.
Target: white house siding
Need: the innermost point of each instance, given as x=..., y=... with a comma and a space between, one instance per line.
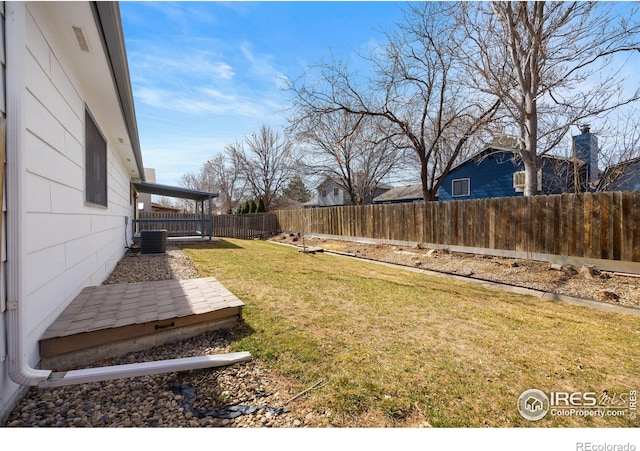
x=330, y=199
x=69, y=244
x=8, y=391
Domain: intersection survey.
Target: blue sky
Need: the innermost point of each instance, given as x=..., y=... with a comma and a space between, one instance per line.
x=206, y=74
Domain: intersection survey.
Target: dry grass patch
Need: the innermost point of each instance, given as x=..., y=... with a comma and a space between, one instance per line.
x=400, y=348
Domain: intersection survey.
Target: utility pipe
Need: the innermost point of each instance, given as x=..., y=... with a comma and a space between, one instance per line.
x=20, y=371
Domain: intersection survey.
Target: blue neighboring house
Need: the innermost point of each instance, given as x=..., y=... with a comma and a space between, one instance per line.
x=498, y=172
x=623, y=176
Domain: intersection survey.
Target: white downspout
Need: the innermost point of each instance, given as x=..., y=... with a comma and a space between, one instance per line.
x=20, y=371
x=15, y=23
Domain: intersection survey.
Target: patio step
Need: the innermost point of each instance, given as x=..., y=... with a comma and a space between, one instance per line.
x=112, y=320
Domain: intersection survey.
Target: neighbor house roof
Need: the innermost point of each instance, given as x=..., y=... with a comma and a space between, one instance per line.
x=493, y=149
x=328, y=181
x=620, y=173
x=409, y=192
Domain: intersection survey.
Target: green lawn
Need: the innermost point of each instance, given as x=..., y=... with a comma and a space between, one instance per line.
x=398, y=348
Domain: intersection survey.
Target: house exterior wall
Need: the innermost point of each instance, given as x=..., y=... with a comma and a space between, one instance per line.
x=327, y=196
x=8, y=391
x=69, y=244
x=337, y=196
x=490, y=177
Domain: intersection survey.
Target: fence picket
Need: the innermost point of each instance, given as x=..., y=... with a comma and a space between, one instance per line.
x=595, y=225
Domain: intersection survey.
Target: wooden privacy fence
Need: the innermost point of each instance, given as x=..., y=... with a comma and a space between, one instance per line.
x=258, y=225
x=176, y=224
x=588, y=225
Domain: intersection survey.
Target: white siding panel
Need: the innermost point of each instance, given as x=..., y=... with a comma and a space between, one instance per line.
x=66, y=88
x=102, y=223
x=43, y=125
x=38, y=195
x=109, y=254
x=74, y=149
x=43, y=160
x=67, y=200
x=119, y=187
x=78, y=249
x=117, y=171
x=37, y=45
x=118, y=199
x=40, y=85
x=44, y=266
x=48, y=302
x=45, y=230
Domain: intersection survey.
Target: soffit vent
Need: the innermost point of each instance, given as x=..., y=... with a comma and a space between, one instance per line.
x=81, y=38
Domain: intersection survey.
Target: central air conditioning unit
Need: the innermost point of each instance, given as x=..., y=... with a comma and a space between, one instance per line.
x=153, y=241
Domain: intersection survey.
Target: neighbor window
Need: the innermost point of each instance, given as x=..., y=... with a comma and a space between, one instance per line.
x=460, y=187
x=335, y=191
x=96, y=163
x=324, y=193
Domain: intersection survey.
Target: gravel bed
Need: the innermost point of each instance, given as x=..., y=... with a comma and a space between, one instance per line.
x=256, y=396
x=137, y=267
x=604, y=286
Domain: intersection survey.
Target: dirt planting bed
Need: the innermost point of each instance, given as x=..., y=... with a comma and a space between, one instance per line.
x=583, y=282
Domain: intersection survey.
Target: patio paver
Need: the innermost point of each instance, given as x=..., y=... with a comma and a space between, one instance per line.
x=107, y=314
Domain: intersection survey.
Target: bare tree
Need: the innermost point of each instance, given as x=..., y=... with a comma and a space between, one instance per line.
x=227, y=180
x=197, y=181
x=217, y=175
x=415, y=94
x=166, y=202
x=350, y=150
x=552, y=64
x=620, y=150
x=266, y=161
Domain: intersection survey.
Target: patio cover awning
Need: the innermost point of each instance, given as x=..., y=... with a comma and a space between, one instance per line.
x=173, y=191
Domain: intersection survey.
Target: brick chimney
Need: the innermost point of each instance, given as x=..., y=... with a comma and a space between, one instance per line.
x=585, y=148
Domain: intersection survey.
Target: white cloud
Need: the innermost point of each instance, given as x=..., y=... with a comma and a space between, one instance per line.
x=199, y=101
x=174, y=156
x=194, y=64
x=260, y=64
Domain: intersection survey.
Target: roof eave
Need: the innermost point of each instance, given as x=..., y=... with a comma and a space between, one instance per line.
x=109, y=23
